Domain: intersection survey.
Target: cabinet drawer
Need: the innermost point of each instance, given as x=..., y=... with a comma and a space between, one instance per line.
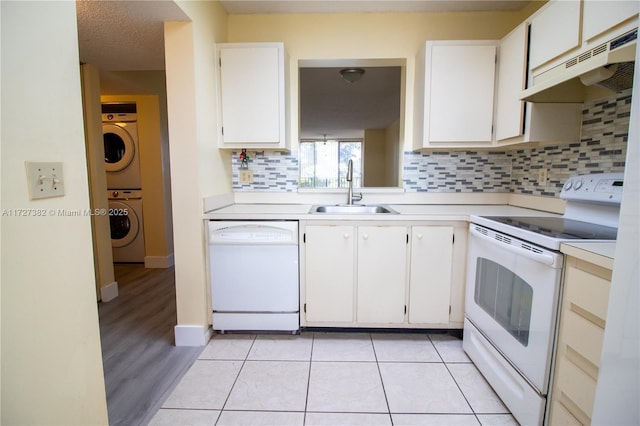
x=588, y=291
x=576, y=385
x=561, y=416
x=583, y=336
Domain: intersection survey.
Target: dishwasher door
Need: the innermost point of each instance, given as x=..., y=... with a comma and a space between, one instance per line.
x=254, y=275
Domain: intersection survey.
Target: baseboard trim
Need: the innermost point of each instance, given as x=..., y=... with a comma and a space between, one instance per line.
x=159, y=261
x=192, y=335
x=109, y=292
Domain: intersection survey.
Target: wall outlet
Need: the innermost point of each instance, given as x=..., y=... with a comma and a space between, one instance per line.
x=542, y=176
x=246, y=176
x=44, y=180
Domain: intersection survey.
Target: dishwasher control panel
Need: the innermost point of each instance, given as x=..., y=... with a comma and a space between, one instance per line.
x=267, y=232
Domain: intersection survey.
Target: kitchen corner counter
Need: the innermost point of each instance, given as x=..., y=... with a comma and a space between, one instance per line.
x=441, y=212
x=600, y=254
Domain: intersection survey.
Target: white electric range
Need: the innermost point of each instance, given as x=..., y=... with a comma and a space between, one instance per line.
x=514, y=276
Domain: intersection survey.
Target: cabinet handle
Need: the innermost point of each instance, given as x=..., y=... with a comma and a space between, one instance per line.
x=365, y=236
x=346, y=236
x=419, y=236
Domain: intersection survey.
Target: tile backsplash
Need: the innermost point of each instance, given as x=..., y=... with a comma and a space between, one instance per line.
x=601, y=148
x=457, y=171
x=272, y=171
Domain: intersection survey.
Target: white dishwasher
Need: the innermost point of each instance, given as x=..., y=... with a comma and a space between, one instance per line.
x=254, y=275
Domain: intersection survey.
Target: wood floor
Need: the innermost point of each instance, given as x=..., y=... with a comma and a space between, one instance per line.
x=141, y=363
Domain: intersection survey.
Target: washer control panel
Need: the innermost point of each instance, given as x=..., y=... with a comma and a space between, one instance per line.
x=596, y=188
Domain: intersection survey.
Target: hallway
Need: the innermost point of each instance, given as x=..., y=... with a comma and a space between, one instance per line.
x=141, y=363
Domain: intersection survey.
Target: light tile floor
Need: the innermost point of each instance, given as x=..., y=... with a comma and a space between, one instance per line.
x=333, y=379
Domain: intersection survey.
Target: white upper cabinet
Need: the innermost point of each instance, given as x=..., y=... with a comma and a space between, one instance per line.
x=512, y=77
x=600, y=16
x=252, y=95
x=555, y=29
x=455, y=82
x=518, y=121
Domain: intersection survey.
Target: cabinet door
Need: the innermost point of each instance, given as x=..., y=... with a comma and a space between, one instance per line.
x=251, y=94
x=555, y=29
x=539, y=122
x=599, y=16
x=382, y=265
x=329, y=273
x=459, y=92
x=512, y=70
x=430, y=277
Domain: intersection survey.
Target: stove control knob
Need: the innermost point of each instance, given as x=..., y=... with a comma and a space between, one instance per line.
x=577, y=185
x=568, y=185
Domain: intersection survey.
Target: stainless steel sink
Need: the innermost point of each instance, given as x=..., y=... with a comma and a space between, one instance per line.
x=353, y=209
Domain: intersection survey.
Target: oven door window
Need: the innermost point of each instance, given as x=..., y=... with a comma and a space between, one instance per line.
x=506, y=297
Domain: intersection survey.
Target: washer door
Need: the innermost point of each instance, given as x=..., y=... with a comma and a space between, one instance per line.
x=124, y=222
x=119, y=147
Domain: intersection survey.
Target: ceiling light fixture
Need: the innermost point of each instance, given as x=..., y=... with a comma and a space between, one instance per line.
x=351, y=74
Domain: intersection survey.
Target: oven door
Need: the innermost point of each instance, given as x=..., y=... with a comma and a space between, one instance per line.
x=512, y=299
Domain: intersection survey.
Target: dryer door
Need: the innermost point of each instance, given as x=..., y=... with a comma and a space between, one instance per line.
x=119, y=147
x=125, y=223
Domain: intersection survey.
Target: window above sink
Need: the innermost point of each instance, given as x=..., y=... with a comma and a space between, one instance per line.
x=367, y=110
x=323, y=163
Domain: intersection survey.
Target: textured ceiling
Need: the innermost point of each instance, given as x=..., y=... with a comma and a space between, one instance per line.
x=124, y=35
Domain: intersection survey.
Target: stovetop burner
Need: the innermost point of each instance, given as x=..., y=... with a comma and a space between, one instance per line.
x=559, y=228
x=591, y=214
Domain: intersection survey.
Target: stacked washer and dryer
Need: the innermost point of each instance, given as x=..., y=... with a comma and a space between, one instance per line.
x=124, y=183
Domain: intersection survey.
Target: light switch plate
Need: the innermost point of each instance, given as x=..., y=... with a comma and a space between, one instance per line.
x=44, y=180
x=246, y=176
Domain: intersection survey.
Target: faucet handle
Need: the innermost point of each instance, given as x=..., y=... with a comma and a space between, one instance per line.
x=357, y=197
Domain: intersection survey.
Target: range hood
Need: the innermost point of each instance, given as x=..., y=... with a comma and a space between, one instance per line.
x=609, y=65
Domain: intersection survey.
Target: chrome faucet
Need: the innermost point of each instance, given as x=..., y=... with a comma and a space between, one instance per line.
x=351, y=197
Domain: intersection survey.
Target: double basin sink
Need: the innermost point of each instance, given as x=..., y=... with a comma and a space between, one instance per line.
x=352, y=209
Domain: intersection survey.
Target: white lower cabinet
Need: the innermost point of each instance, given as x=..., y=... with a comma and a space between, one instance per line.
x=581, y=332
x=430, y=275
x=383, y=275
x=329, y=273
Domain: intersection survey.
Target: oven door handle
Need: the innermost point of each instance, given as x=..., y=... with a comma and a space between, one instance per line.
x=544, y=258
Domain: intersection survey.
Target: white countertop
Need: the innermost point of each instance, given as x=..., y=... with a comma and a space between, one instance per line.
x=441, y=212
x=600, y=254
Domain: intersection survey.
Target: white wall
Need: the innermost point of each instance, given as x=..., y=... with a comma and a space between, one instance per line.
x=198, y=168
x=106, y=284
x=618, y=390
x=393, y=151
x=51, y=358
